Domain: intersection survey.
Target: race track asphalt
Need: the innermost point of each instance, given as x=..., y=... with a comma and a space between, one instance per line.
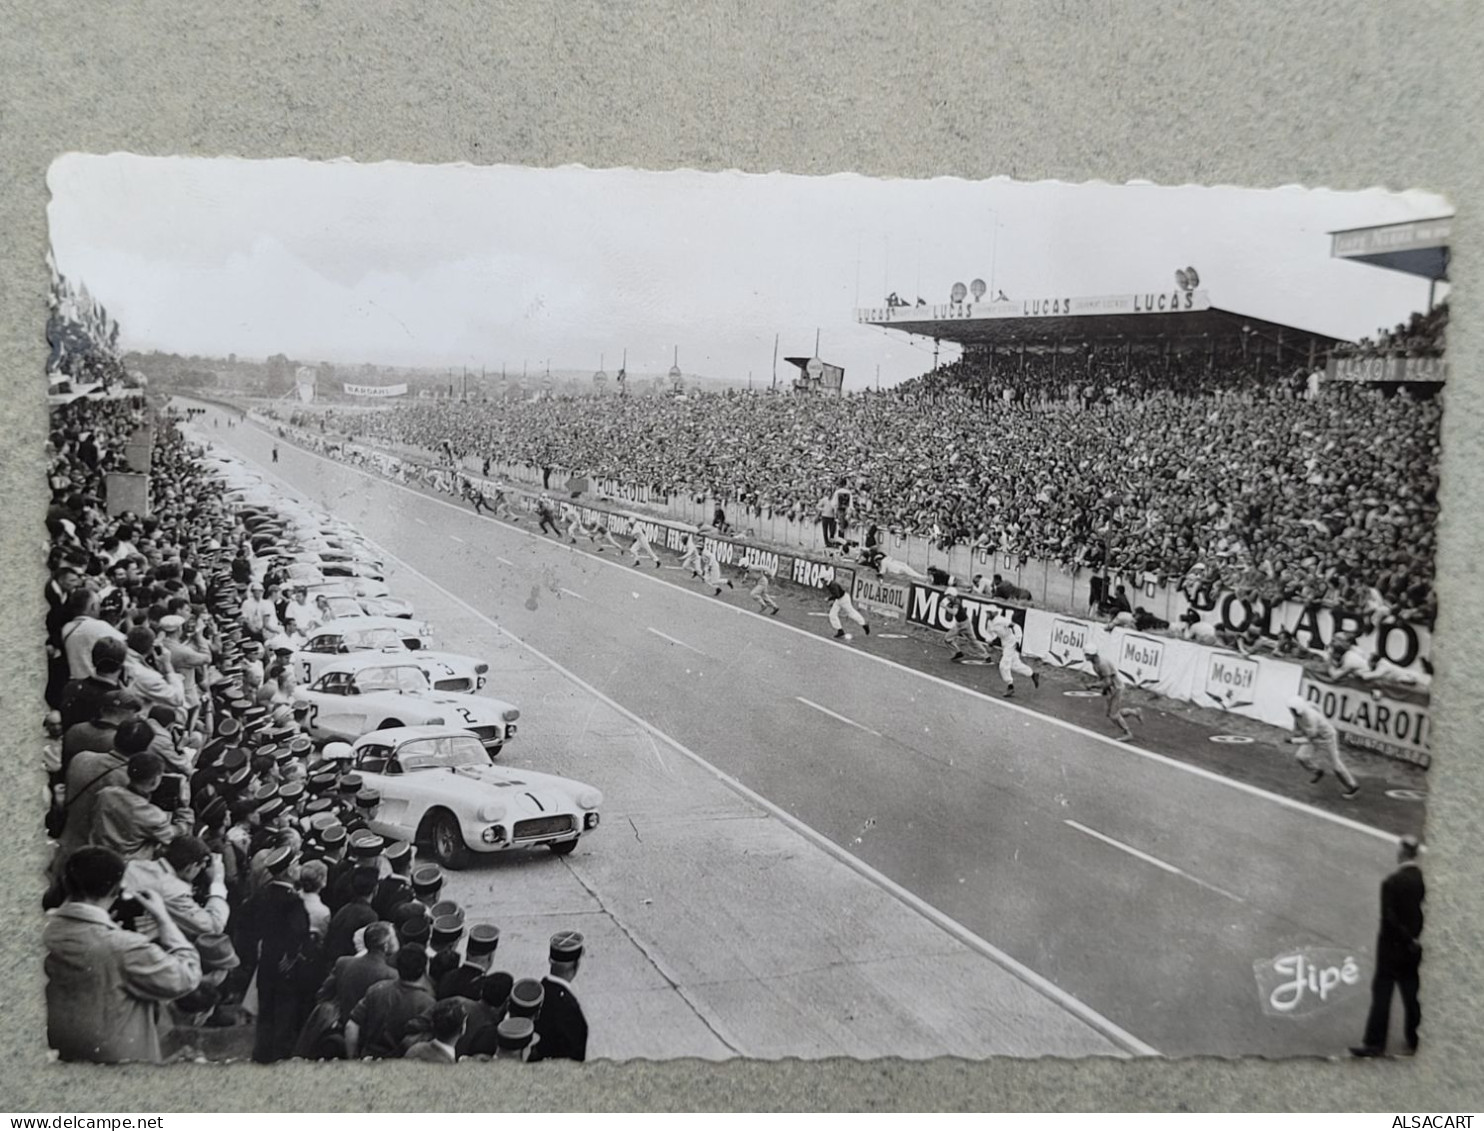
x=1145, y=886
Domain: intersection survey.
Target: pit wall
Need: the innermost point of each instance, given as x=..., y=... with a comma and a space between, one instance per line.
x=1254, y=687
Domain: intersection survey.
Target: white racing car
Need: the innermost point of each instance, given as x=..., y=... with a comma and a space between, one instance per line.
x=446, y=671
x=439, y=788
x=367, y=691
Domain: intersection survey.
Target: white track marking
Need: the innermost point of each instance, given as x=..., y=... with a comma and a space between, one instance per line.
x=570, y=593
x=682, y=643
x=1155, y=860
x=831, y=714
x=504, y=561
x=419, y=521
x=997, y=701
x=456, y=538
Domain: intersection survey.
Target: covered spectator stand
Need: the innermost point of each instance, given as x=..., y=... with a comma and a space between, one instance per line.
x=1062, y=341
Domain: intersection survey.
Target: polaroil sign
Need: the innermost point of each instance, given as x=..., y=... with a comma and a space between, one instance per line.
x=1389, y=726
x=882, y=597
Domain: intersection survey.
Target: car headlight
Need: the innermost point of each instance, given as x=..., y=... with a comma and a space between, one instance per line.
x=493, y=811
x=481, y=668
x=435, y=721
x=510, y=715
x=589, y=799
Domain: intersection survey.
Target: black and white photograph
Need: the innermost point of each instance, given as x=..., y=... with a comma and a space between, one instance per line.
x=613, y=614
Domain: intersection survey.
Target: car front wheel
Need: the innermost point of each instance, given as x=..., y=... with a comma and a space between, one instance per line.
x=563, y=849
x=447, y=840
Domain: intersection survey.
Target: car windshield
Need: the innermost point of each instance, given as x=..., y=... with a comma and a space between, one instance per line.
x=374, y=640
x=448, y=750
x=343, y=607
x=402, y=677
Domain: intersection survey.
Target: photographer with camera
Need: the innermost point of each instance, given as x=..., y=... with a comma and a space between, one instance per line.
x=138, y=819
x=105, y=984
x=174, y=877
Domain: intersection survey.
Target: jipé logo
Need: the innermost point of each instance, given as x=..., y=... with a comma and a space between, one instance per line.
x=1305, y=981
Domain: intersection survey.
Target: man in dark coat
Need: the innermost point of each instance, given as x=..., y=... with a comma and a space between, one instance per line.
x=353, y=975
x=278, y=932
x=1398, y=952
x=561, y=1028
x=479, y=954
x=340, y=938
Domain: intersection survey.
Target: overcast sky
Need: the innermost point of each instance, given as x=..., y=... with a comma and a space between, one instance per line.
x=451, y=266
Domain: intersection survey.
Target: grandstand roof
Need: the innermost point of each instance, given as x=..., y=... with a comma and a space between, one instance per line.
x=1139, y=317
x=1418, y=247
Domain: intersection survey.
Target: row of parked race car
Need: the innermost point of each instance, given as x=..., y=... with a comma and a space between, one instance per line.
x=370, y=688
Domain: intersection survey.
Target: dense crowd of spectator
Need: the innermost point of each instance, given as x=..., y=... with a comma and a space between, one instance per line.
x=1089, y=377
x=213, y=870
x=1425, y=334
x=1250, y=485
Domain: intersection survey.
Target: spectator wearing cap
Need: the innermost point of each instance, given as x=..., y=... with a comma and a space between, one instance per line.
x=275, y=941
x=147, y=673
x=218, y=960
x=363, y=850
x=490, y=1007
x=447, y=1020
x=80, y=697
x=351, y=976
x=526, y=998
x=174, y=876
x=82, y=630
x=105, y=985
x=561, y=1025
x=427, y=882
x=515, y=1039
x=357, y=913
x=479, y=956
x=379, y=1020
x=189, y=657
x=126, y=820
x=447, y=930
x=395, y=888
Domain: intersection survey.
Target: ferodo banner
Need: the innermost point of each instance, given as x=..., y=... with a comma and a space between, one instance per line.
x=818, y=575
x=1370, y=720
x=884, y=598
x=926, y=608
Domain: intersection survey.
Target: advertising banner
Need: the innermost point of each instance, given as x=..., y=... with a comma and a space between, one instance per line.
x=1371, y=720
x=817, y=575
x=1257, y=688
x=926, y=608
x=375, y=390
x=1376, y=369
x=885, y=598
x=1047, y=306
